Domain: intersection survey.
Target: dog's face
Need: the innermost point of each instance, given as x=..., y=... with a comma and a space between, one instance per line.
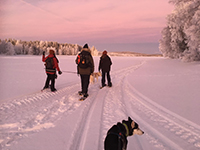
x=133, y=127
x=136, y=129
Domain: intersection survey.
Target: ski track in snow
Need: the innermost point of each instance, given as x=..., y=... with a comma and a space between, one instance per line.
x=102, y=109
x=34, y=112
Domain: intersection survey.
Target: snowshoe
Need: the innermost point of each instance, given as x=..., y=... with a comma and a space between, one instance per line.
x=110, y=84
x=84, y=97
x=102, y=86
x=80, y=93
x=54, y=90
x=44, y=89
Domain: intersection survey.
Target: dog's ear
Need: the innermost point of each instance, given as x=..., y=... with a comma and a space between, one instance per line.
x=129, y=119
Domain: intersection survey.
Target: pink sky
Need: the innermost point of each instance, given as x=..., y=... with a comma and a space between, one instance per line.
x=80, y=21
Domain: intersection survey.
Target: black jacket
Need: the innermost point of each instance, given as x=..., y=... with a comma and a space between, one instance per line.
x=89, y=70
x=105, y=63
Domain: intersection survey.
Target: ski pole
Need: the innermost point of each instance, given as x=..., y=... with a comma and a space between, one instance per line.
x=70, y=72
x=62, y=71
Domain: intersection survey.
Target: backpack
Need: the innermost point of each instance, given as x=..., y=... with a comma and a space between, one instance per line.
x=49, y=64
x=83, y=60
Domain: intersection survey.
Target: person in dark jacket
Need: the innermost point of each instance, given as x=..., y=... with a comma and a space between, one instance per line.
x=85, y=72
x=51, y=72
x=105, y=65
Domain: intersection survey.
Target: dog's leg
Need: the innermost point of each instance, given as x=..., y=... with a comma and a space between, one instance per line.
x=91, y=79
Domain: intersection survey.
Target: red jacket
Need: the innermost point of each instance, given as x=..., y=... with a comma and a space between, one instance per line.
x=55, y=63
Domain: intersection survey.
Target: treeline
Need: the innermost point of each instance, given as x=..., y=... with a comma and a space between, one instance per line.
x=19, y=47
x=181, y=36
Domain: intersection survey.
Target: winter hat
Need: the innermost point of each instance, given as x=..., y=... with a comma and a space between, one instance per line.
x=104, y=52
x=85, y=46
x=51, y=52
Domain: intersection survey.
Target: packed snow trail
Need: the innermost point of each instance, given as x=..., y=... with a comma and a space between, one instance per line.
x=162, y=127
x=33, y=113
x=90, y=120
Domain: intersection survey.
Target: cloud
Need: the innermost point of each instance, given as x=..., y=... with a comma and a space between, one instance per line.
x=76, y=19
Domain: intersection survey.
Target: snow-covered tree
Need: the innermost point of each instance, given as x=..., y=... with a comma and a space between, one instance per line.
x=76, y=49
x=26, y=49
x=180, y=39
x=10, y=49
x=94, y=51
x=34, y=50
x=193, y=33
x=18, y=49
x=178, y=2
x=6, y=48
x=60, y=51
x=165, y=47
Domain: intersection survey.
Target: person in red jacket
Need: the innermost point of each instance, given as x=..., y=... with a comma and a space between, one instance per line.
x=51, y=67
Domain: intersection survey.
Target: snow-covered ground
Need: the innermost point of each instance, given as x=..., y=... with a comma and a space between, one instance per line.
x=161, y=95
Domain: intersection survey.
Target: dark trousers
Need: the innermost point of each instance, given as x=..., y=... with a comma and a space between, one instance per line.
x=85, y=80
x=50, y=77
x=103, y=80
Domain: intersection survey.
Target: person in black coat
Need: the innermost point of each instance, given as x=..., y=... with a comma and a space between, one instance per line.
x=105, y=65
x=85, y=72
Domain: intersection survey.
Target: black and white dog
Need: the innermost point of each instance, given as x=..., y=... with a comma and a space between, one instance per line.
x=116, y=138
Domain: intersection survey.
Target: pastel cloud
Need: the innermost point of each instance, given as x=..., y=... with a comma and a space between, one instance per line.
x=113, y=20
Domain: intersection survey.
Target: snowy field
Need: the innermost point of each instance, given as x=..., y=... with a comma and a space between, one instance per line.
x=161, y=95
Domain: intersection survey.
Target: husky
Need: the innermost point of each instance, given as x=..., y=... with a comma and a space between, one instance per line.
x=116, y=138
x=94, y=76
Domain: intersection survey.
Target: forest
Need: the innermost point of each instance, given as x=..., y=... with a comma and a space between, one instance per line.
x=19, y=47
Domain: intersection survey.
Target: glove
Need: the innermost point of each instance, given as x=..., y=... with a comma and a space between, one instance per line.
x=59, y=72
x=43, y=53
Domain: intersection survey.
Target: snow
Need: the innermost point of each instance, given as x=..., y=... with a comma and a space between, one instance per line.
x=160, y=94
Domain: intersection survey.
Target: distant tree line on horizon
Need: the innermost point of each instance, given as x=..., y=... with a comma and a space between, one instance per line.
x=19, y=47
x=181, y=36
